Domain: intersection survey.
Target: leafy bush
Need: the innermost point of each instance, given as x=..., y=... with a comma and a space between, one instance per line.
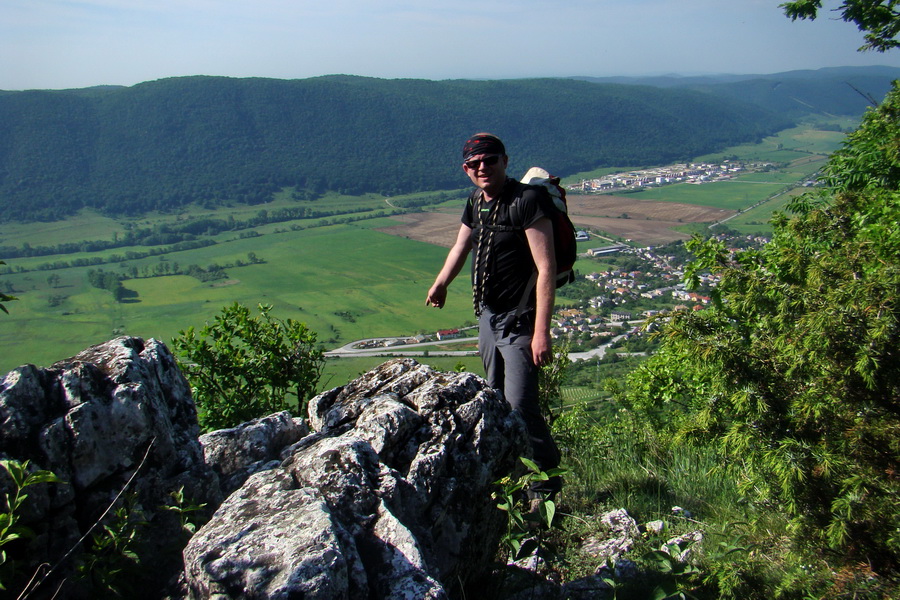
x=794, y=375
x=242, y=367
x=523, y=519
x=111, y=565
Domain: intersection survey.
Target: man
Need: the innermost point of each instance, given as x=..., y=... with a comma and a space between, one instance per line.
x=510, y=235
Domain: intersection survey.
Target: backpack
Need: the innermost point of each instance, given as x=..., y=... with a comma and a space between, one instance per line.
x=554, y=205
x=563, y=230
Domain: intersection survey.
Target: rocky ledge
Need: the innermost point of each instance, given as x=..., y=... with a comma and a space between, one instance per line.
x=384, y=491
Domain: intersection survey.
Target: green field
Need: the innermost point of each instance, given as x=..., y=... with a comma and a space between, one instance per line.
x=799, y=152
x=730, y=195
x=791, y=144
x=345, y=281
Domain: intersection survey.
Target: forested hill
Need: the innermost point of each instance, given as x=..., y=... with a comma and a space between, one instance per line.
x=166, y=143
x=832, y=90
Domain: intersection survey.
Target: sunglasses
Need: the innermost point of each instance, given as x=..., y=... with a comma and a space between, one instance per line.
x=487, y=161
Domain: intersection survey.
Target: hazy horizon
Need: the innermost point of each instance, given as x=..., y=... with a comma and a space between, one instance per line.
x=63, y=44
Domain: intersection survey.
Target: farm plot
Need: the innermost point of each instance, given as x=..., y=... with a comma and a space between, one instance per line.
x=439, y=229
x=645, y=221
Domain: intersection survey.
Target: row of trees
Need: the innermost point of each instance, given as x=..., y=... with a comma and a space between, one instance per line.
x=342, y=219
x=106, y=280
x=177, y=236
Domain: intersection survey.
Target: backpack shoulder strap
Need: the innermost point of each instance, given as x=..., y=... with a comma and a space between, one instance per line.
x=515, y=207
x=514, y=212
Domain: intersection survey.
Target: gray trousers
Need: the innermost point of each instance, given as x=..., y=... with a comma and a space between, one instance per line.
x=504, y=342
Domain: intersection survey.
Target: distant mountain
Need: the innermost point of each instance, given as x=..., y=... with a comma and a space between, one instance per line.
x=831, y=90
x=163, y=144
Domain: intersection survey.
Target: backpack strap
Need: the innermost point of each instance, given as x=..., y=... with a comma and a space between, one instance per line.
x=483, y=255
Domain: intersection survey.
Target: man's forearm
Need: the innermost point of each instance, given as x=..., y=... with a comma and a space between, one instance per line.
x=546, y=297
x=456, y=258
x=452, y=266
x=540, y=241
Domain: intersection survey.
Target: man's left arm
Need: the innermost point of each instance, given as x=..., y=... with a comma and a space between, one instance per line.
x=540, y=242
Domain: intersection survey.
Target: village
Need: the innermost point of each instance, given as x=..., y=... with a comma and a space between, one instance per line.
x=602, y=304
x=693, y=173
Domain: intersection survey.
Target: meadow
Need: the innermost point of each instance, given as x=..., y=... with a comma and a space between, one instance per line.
x=344, y=281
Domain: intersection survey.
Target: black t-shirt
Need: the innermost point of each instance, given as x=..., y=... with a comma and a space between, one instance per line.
x=507, y=265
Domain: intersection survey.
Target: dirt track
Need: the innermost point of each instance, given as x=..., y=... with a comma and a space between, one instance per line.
x=647, y=222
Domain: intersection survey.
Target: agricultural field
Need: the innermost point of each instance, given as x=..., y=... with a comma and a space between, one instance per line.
x=733, y=195
x=805, y=140
x=345, y=280
x=574, y=395
x=644, y=221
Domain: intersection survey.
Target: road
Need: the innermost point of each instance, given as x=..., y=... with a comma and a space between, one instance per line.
x=426, y=348
x=404, y=349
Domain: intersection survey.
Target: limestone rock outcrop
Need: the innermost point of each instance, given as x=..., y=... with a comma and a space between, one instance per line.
x=389, y=496
x=385, y=494
x=116, y=420
x=238, y=452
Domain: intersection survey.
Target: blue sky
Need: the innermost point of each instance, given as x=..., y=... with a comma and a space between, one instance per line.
x=78, y=43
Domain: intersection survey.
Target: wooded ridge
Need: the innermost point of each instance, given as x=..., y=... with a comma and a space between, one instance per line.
x=213, y=140
x=831, y=90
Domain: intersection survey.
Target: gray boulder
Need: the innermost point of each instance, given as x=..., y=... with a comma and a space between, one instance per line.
x=115, y=421
x=236, y=453
x=389, y=497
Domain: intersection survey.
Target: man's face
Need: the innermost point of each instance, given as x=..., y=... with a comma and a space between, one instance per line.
x=487, y=171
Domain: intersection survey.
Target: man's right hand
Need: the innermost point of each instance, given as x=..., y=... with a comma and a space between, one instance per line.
x=456, y=258
x=437, y=295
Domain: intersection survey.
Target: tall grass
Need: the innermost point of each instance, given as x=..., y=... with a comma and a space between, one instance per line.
x=617, y=460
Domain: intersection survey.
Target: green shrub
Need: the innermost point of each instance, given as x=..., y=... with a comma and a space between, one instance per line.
x=242, y=367
x=11, y=528
x=794, y=374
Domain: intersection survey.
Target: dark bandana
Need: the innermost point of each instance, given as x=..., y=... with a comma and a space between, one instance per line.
x=483, y=143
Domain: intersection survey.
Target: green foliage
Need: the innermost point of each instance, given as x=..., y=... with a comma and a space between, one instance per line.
x=870, y=157
x=680, y=577
x=10, y=527
x=550, y=379
x=526, y=510
x=242, y=367
x=880, y=19
x=794, y=374
x=188, y=513
x=106, y=280
x=111, y=563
